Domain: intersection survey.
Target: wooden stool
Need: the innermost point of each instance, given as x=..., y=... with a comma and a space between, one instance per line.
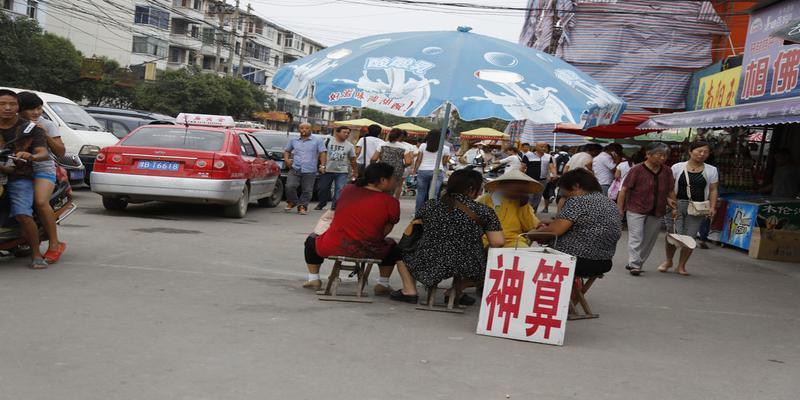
x=579, y=288
x=450, y=307
x=360, y=267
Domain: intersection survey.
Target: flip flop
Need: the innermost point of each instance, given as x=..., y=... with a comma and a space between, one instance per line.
x=52, y=256
x=38, y=263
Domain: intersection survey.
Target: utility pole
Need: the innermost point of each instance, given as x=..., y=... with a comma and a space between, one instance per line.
x=232, y=54
x=244, y=39
x=218, y=38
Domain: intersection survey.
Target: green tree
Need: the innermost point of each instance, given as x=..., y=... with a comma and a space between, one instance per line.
x=189, y=90
x=107, y=91
x=33, y=59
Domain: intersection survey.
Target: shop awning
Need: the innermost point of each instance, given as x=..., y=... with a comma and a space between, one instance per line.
x=625, y=127
x=772, y=112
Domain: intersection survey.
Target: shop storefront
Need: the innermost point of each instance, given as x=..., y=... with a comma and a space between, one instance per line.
x=750, y=115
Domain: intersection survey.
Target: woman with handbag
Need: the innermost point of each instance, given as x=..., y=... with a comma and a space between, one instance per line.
x=696, y=187
x=450, y=242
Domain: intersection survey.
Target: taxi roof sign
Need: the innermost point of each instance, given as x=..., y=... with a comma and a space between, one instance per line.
x=225, y=121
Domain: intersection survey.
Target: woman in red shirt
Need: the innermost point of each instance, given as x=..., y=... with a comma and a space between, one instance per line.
x=365, y=213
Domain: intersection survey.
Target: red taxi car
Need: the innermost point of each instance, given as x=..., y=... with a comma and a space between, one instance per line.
x=204, y=159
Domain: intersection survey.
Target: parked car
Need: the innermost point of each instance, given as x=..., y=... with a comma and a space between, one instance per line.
x=125, y=112
x=274, y=142
x=121, y=125
x=207, y=161
x=82, y=134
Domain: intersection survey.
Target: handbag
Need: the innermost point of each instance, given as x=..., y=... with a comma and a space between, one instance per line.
x=696, y=208
x=613, y=190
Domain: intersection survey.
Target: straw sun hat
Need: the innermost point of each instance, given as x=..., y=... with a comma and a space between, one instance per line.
x=518, y=177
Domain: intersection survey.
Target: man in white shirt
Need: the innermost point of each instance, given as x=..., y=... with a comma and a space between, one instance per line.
x=584, y=158
x=367, y=145
x=476, y=152
x=513, y=160
x=605, y=164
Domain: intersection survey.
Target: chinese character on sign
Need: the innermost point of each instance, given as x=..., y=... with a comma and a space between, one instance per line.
x=731, y=93
x=333, y=96
x=709, y=103
x=360, y=95
x=755, y=78
x=377, y=62
x=347, y=93
x=506, y=293
x=548, y=280
x=784, y=78
x=397, y=106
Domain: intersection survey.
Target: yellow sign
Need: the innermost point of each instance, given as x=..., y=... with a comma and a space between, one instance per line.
x=719, y=90
x=150, y=71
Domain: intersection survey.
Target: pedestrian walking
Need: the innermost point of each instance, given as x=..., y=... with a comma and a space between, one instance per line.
x=695, y=182
x=341, y=164
x=605, y=164
x=540, y=167
x=647, y=192
x=583, y=159
x=304, y=156
x=395, y=153
x=424, y=166
x=366, y=147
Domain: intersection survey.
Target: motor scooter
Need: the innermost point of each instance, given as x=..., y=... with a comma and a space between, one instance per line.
x=10, y=231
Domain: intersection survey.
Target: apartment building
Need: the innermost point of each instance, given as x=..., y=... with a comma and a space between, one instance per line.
x=173, y=34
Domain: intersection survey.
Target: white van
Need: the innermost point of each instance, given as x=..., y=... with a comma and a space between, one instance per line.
x=82, y=135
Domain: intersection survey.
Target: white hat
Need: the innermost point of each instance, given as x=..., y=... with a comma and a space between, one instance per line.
x=681, y=240
x=533, y=186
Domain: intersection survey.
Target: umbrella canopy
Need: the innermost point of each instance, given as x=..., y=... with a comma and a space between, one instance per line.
x=408, y=126
x=484, y=134
x=359, y=123
x=625, y=127
x=415, y=73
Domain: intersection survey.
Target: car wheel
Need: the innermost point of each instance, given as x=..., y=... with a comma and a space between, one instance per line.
x=274, y=199
x=114, y=204
x=239, y=209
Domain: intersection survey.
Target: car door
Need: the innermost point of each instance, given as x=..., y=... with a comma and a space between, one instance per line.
x=255, y=167
x=271, y=169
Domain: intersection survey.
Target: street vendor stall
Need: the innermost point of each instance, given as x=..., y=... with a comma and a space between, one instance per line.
x=413, y=129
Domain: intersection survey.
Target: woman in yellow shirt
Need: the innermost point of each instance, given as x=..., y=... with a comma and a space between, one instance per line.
x=508, y=197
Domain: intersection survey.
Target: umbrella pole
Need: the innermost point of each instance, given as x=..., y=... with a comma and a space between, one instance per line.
x=437, y=167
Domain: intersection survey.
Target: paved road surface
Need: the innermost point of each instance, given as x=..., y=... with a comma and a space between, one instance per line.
x=176, y=302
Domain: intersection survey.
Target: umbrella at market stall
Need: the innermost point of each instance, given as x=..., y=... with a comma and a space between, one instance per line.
x=484, y=134
x=417, y=73
x=358, y=123
x=412, y=129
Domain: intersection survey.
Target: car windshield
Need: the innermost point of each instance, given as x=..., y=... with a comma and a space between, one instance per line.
x=176, y=138
x=75, y=117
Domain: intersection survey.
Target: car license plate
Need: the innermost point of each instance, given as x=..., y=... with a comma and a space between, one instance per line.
x=75, y=175
x=158, y=165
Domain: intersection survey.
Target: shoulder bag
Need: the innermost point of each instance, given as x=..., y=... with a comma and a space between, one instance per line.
x=696, y=208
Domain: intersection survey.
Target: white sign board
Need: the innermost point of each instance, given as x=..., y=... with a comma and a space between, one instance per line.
x=526, y=295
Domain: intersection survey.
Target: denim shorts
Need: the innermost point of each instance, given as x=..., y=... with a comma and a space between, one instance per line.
x=20, y=195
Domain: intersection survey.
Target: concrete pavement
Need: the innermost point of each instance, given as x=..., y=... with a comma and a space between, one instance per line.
x=176, y=302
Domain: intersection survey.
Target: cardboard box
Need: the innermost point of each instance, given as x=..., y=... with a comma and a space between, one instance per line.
x=775, y=245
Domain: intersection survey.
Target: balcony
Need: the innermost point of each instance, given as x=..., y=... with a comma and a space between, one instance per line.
x=292, y=52
x=188, y=13
x=185, y=41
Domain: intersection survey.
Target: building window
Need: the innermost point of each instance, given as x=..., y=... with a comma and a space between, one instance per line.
x=149, y=46
x=208, y=35
x=198, y=5
x=238, y=48
x=192, y=57
x=208, y=62
x=277, y=61
x=279, y=39
x=8, y=4
x=302, y=47
x=195, y=31
x=181, y=3
x=176, y=55
x=288, y=41
x=270, y=33
x=180, y=27
x=33, y=6
x=152, y=16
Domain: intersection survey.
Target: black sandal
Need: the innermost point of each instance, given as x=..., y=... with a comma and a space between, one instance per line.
x=465, y=300
x=398, y=295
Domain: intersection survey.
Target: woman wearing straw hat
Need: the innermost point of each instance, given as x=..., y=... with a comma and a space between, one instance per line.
x=508, y=197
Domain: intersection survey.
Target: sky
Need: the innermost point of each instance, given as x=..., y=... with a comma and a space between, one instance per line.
x=335, y=21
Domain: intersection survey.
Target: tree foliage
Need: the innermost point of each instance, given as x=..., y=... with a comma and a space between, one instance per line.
x=33, y=59
x=189, y=90
x=107, y=91
x=456, y=124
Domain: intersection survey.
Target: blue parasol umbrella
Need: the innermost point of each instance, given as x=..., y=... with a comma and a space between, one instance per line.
x=415, y=73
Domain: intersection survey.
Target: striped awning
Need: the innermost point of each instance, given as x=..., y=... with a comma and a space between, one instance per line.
x=772, y=112
x=528, y=132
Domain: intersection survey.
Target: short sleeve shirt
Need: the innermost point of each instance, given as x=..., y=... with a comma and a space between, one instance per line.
x=35, y=138
x=604, y=167
x=579, y=160
x=339, y=155
x=372, y=144
x=596, y=227
x=305, y=153
x=647, y=191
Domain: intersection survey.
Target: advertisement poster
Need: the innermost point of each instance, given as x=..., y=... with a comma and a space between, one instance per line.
x=526, y=295
x=770, y=68
x=739, y=223
x=719, y=90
